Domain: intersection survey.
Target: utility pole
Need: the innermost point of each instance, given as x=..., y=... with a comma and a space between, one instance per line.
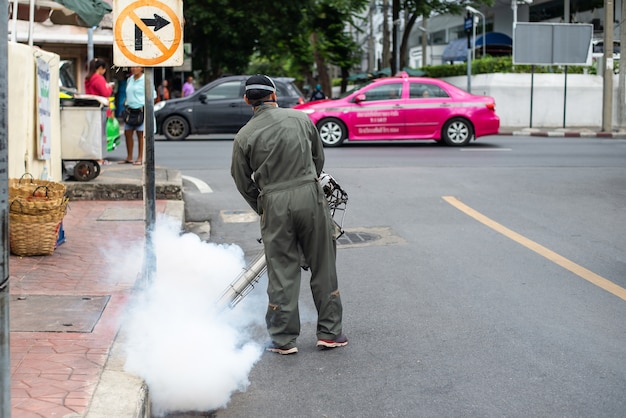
x=395, y=12
x=469, y=27
x=621, y=88
x=607, y=67
x=371, y=56
x=425, y=40
x=5, y=360
x=386, y=55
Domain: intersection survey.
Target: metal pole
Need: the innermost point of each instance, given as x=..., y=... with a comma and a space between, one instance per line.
x=14, y=24
x=621, y=84
x=90, y=53
x=607, y=101
x=484, y=37
x=532, y=88
x=473, y=38
x=395, y=12
x=514, y=7
x=5, y=360
x=565, y=97
x=482, y=16
x=371, y=62
x=469, y=53
x=149, y=185
x=469, y=70
x=31, y=22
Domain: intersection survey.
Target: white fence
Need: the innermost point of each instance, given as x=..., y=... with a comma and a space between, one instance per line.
x=580, y=106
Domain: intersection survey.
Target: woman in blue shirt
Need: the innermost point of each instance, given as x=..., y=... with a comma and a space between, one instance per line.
x=135, y=99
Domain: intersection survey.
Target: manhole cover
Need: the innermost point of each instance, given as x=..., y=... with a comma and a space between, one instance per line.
x=60, y=313
x=363, y=237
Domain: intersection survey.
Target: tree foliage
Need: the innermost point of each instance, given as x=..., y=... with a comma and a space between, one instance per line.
x=279, y=38
x=417, y=8
x=332, y=40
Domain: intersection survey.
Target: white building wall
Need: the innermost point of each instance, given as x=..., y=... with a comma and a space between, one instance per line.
x=512, y=93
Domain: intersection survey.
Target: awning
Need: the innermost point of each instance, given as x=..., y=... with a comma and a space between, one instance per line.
x=457, y=50
x=57, y=23
x=90, y=12
x=494, y=39
x=87, y=13
x=44, y=33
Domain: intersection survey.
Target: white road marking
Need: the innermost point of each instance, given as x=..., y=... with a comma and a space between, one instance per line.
x=239, y=216
x=202, y=186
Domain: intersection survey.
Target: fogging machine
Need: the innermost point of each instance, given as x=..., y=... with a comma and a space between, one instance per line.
x=246, y=281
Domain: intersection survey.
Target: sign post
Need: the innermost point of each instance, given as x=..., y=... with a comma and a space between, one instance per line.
x=148, y=33
x=469, y=26
x=5, y=334
x=552, y=44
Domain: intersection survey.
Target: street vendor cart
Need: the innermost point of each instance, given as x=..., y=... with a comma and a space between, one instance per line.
x=83, y=135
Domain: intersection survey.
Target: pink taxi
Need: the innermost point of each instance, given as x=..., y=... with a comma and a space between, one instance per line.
x=404, y=108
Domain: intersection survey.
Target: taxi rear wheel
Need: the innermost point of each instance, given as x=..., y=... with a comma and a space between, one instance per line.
x=332, y=132
x=457, y=132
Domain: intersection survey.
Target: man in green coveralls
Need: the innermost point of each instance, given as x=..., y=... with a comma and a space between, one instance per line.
x=277, y=159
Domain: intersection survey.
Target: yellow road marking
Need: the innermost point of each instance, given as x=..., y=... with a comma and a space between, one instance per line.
x=579, y=270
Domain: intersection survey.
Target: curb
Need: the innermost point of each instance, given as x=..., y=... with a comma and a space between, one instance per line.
x=564, y=134
x=118, y=184
x=118, y=393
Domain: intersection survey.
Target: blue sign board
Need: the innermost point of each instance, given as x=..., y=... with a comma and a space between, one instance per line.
x=469, y=23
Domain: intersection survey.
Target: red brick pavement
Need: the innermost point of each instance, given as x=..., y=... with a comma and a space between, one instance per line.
x=54, y=374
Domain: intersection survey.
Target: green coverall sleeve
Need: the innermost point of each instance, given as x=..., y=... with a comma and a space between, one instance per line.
x=317, y=149
x=242, y=174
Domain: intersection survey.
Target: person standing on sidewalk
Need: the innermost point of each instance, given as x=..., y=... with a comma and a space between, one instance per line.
x=95, y=83
x=135, y=100
x=188, y=87
x=317, y=94
x=163, y=92
x=276, y=161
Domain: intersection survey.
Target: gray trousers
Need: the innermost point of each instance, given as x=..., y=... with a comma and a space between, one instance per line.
x=295, y=215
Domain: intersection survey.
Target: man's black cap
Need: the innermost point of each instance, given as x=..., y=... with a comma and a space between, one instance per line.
x=260, y=82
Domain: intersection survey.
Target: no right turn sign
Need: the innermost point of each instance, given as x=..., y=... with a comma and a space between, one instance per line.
x=148, y=33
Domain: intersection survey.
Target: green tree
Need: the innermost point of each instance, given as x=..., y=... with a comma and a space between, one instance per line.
x=279, y=38
x=332, y=40
x=415, y=8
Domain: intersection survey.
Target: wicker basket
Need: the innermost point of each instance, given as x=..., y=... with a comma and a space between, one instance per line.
x=34, y=215
x=34, y=224
x=35, y=205
x=31, y=187
x=28, y=239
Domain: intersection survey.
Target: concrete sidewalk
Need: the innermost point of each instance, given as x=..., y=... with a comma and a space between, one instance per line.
x=66, y=312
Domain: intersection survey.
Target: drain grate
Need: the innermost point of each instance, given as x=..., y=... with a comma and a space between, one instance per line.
x=352, y=238
x=364, y=237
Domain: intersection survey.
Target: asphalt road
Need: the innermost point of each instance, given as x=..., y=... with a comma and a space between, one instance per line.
x=491, y=281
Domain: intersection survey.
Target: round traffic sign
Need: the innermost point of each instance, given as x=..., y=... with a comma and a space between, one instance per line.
x=141, y=22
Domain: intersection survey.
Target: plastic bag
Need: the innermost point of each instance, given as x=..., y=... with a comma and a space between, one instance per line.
x=113, y=133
